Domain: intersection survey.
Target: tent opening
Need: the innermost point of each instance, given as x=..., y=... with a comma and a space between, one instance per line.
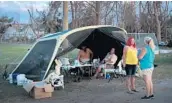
x=99, y=42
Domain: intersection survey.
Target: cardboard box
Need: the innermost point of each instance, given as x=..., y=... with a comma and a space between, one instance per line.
x=39, y=90
x=39, y=93
x=48, y=88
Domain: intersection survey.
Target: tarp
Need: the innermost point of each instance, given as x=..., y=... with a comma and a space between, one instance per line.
x=100, y=39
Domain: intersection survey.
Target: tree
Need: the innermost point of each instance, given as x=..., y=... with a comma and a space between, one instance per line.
x=97, y=12
x=158, y=25
x=48, y=19
x=5, y=22
x=65, y=15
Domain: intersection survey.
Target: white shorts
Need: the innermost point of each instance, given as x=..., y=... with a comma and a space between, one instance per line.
x=147, y=71
x=84, y=60
x=107, y=66
x=102, y=66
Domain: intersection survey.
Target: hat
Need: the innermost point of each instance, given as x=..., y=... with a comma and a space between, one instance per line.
x=147, y=39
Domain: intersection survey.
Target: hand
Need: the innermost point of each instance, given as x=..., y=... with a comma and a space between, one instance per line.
x=124, y=65
x=102, y=61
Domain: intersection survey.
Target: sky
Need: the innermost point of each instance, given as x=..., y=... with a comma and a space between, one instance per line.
x=18, y=9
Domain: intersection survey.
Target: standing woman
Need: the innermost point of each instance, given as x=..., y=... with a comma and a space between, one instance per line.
x=130, y=61
x=146, y=58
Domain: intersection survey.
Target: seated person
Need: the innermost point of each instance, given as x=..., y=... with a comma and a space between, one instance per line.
x=108, y=62
x=85, y=55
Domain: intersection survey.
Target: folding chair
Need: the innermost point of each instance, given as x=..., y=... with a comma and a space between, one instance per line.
x=118, y=72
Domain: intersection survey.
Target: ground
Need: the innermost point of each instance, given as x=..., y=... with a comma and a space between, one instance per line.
x=94, y=91
x=89, y=91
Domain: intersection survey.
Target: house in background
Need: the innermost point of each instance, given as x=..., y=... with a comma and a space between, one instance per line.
x=21, y=33
x=9, y=33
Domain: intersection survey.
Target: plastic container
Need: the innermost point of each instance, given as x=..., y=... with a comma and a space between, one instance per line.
x=14, y=76
x=107, y=76
x=10, y=78
x=77, y=63
x=21, y=79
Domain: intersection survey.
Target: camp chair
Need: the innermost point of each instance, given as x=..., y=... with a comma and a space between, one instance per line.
x=118, y=72
x=112, y=70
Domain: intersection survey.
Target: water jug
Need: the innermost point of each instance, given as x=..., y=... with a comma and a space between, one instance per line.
x=107, y=76
x=21, y=79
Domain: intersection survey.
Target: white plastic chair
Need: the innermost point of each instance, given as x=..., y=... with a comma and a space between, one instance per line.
x=113, y=70
x=57, y=81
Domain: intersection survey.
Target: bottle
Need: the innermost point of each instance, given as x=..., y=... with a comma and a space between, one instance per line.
x=107, y=76
x=98, y=60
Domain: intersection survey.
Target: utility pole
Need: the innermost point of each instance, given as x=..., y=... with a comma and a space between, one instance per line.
x=65, y=15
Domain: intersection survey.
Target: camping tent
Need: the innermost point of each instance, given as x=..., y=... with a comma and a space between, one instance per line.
x=100, y=39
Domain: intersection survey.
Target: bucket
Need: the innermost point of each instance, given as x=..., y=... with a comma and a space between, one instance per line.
x=21, y=79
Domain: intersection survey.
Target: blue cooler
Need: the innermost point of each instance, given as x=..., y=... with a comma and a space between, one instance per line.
x=14, y=77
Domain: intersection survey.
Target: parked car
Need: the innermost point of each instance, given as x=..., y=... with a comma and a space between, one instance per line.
x=162, y=43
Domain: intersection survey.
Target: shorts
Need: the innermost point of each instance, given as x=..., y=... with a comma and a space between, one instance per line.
x=130, y=70
x=147, y=71
x=84, y=61
x=107, y=66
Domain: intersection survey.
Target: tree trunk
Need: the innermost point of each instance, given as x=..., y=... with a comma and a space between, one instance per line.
x=97, y=12
x=72, y=9
x=158, y=26
x=65, y=21
x=65, y=15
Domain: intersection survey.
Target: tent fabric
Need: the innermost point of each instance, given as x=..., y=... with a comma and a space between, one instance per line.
x=36, y=62
x=100, y=39
x=78, y=37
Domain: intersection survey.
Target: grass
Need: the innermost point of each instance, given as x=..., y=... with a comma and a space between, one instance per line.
x=11, y=52
x=163, y=71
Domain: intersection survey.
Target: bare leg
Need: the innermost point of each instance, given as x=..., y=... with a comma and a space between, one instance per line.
x=128, y=79
x=97, y=71
x=133, y=83
x=147, y=82
x=151, y=85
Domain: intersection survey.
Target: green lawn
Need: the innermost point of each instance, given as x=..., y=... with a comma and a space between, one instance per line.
x=13, y=53
x=10, y=52
x=164, y=69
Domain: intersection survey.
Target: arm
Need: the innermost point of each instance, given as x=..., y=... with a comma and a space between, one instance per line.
x=143, y=52
x=91, y=53
x=124, y=55
x=112, y=59
x=79, y=56
x=105, y=59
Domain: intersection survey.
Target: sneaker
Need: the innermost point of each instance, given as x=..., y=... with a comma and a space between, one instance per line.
x=151, y=96
x=134, y=90
x=129, y=92
x=146, y=97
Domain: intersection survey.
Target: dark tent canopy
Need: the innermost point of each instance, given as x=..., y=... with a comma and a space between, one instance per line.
x=100, y=39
